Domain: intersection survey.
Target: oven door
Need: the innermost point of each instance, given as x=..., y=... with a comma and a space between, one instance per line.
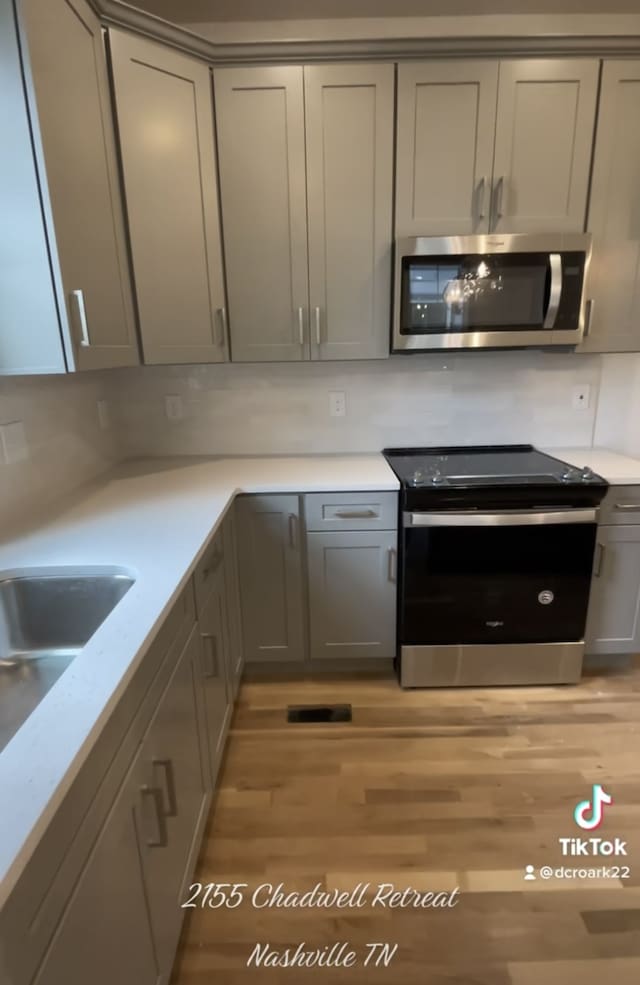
x=472, y=292
x=499, y=577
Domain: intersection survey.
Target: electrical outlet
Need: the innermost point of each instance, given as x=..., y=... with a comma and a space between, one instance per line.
x=104, y=419
x=581, y=397
x=174, y=407
x=337, y=403
x=13, y=443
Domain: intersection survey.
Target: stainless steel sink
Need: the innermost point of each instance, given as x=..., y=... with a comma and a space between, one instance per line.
x=45, y=620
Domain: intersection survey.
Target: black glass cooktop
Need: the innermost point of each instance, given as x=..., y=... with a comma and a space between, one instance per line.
x=465, y=469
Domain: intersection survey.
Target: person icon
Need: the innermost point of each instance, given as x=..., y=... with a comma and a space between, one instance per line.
x=529, y=873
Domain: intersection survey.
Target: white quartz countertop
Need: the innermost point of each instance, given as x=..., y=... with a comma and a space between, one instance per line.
x=152, y=518
x=618, y=470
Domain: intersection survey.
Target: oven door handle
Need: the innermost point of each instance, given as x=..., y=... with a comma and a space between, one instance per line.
x=499, y=519
x=555, y=291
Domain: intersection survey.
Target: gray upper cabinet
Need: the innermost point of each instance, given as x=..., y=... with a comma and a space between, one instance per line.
x=306, y=190
x=165, y=120
x=544, y=135
x=613, y=625
x=260, y=125
x=105, y=935
x=614, y=214
x=352, y=593
x=349, y=138
x=30, y=337
x=270, y=564
x=485, y=146
x=446, y=126
x=68, y=87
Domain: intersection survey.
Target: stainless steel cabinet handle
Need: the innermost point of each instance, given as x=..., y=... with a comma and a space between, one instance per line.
x=588, y=317
x=316, y=312
x=293, y=531
x=161, y=840
x=213, y=565
x=499, y=193
x=628, y=507
x=482, y=197
x=170, y=785
x=355, y=514
x=597, y=564
x=213, y=670
x=301, y=326
x=391, y=564
x=80, y=318
x=222, y=321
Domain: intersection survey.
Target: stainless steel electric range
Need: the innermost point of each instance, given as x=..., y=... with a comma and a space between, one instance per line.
x=496, y=548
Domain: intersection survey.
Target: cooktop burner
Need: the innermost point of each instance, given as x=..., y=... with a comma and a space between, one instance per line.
x=499, y=470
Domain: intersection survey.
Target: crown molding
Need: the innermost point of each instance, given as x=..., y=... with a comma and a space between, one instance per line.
x=120, y=14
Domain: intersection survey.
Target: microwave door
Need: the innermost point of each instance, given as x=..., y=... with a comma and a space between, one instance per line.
x=555, y=291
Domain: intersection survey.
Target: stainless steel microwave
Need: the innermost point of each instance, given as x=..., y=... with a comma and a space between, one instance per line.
x=496, y=291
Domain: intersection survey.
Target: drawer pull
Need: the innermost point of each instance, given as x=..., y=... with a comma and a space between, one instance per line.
x=169, y=781
x=597, y=565
x=628, y=507
x=356, y=514
x=213, y=565
x=161, y=840
x=212, y=648
x=80, y=316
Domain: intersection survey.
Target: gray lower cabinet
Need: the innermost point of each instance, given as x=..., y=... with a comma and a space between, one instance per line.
x=172, y=802
x=234, y=615
x=613, y=625
x=216, y=676
x=352, y=593
x=74, y=141
x=105, y=936
x=271, y=578
x=166, y=128
x=614, y=215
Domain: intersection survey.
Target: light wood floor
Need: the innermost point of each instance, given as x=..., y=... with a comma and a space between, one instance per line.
x=430, y=789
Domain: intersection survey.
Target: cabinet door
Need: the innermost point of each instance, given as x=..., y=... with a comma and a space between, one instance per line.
x=165, y=120
x=613, y=624
x=446, y=127
x=172, y=800
x=104, y=935
x=30, y=339
x=234, y=617
x=69, y=70
x=349, y=137
x=260, y=124
x=271, y=578
x=614, y=214
x=215, y=669
x=544, y=137
x=352, y=593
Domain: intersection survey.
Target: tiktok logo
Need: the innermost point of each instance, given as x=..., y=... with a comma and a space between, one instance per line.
x=593, y=807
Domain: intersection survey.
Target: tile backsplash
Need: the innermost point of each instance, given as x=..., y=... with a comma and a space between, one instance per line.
x=432, y=399
x=62, y=437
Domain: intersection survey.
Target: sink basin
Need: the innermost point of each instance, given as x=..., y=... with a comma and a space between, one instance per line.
x=45, y=620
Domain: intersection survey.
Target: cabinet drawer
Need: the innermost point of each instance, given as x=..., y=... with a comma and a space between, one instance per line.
x=621, y=505
x=204, y=575
x=352, y=511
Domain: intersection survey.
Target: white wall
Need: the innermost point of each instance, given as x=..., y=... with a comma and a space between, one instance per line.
x=618, y=421
x=283, y=408
x=65, y=444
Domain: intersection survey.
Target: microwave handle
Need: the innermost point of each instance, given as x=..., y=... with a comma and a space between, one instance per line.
x=555, y=293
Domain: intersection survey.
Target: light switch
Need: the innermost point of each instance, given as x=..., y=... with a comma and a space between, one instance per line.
x=14, y=443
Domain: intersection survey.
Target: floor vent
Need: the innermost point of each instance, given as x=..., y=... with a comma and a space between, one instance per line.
x=301, y=714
